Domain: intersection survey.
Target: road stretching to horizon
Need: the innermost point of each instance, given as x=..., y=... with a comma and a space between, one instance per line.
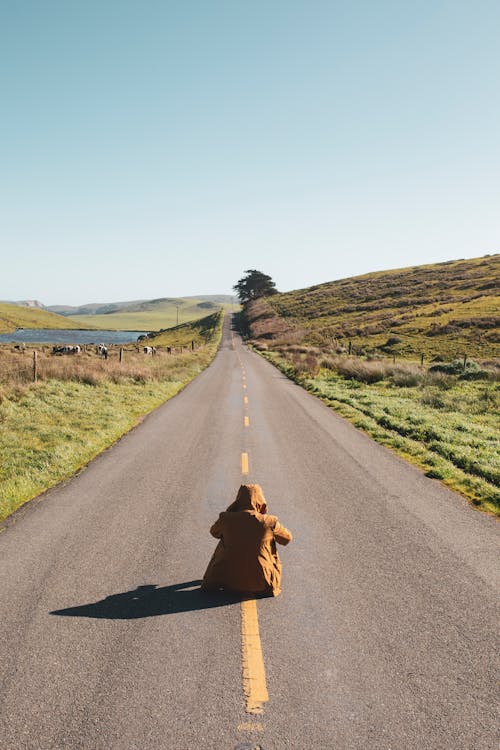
x=385, y=636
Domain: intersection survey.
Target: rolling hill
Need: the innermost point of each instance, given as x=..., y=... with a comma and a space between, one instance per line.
x=440, y=310
x=154, y=315
x=199, y=331
x=13, y=316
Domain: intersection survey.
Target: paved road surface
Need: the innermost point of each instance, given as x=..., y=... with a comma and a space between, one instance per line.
x=384, y=636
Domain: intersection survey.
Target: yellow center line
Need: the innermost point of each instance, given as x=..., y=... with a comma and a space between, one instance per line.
x=246, y=421
x=244, y=385
x=250, y=726
x=254, y=674
x=245, y=399
x=244, y=463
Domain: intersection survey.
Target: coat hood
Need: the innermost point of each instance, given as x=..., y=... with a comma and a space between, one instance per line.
x=249, y=497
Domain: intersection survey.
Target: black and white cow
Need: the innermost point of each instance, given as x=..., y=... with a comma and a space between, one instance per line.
x=66, y=349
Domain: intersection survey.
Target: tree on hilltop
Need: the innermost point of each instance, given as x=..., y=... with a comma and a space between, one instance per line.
x=255, y=284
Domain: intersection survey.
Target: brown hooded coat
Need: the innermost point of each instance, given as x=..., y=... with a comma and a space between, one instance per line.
x=246, y=558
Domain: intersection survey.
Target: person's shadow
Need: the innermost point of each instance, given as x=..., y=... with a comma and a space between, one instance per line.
x=151, y=601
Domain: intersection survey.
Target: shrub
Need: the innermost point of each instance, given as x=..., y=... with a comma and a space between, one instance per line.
x=440, y=380
x=90, y=377
x=432, y=398
x=365, y=372
x=456, y=367
x=393, y=340
x=407, y=378
x=328, y=363
x=475, y=375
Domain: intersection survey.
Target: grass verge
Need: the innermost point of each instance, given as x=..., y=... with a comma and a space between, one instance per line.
x=52, y=428
x=444, y=425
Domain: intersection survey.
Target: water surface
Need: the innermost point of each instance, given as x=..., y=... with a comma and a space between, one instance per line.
x=68, y=336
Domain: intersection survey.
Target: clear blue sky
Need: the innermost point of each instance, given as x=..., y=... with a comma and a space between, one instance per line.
x=161, y=147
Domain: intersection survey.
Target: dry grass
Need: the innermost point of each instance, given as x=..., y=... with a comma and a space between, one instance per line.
x=78, y=407
x=89, y=368
x=446, y=309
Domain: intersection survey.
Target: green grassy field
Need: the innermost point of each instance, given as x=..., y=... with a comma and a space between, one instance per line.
x=79, y=406
x=447, y=309
x=150, y=316
x=15, y=316
x=446, y=425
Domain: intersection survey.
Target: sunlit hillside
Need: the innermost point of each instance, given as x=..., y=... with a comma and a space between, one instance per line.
x=16, y=316
x=196, y=332
x=445, y=309
x=152, y=315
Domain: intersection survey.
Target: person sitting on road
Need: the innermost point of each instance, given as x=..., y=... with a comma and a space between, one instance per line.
x=246, y=559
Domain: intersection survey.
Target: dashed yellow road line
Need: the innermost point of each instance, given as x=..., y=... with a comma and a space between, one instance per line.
x=254, y=674
x=246, y=421
x=244, y=385
x=250, y=726
x=245, y=400
x=244, y=463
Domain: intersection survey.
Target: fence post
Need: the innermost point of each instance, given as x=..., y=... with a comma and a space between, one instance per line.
x=192, y=345
x=35, y=367
x=465, y=361
x=350, y=347
x=421, y=359
x=121, y=354
x=394, y=359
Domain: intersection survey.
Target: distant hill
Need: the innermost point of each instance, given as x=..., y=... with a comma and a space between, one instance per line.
x=93, y=308
x=13, y=316
x=141, y=305
x=153, y=315
x=25, y=303
x=219, y=299
x=444, y=309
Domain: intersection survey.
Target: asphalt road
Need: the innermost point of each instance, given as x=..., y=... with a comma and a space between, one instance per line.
x=385, y=634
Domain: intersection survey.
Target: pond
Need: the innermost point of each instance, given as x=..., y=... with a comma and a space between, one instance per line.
x=68, y=336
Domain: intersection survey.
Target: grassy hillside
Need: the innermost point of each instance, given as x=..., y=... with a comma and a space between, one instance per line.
x=152, y=315
x=200, y=331
x=15, y=316
x=442, y=416
x=445, y=309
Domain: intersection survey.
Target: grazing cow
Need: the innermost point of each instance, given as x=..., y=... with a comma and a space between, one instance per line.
x=102, y=349
x=66, y=349
x=150, y=350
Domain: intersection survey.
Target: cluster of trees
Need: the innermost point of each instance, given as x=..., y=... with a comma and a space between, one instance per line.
x=253, y=285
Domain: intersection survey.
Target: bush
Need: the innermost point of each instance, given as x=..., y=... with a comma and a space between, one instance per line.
x=475, y=375
x=393, y=340
x=328, y=363
x=407, y=378
x=440, y=380
x=456, y=367
x=432, y=398
x=365, y=372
